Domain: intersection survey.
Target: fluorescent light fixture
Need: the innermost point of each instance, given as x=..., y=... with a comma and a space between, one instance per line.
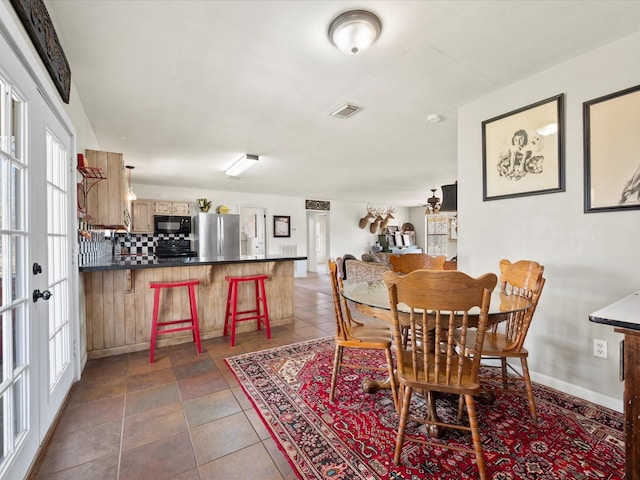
x=241, y=165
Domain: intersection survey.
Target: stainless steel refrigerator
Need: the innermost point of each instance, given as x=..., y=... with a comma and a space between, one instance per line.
x=217, y=235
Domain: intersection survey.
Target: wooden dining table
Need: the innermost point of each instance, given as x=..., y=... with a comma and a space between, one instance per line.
x=372, y=299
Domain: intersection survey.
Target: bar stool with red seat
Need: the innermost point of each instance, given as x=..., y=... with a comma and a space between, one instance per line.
x=192, y=322
x=260, y=313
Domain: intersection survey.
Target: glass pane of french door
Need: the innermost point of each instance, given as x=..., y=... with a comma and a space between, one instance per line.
x=14, y=302
x=57, y=259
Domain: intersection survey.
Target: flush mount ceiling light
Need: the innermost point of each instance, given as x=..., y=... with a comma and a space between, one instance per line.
x=354, y=31
x=241, y=165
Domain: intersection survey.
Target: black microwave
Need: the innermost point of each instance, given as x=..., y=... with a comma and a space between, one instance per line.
x=171, y=224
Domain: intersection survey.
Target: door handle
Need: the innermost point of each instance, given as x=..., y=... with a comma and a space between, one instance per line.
x=46, y=295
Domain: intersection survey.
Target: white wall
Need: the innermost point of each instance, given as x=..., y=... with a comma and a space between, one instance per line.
x=85, y=139
x=590, y=259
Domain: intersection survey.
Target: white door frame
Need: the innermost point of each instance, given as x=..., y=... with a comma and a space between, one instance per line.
x=19, y=63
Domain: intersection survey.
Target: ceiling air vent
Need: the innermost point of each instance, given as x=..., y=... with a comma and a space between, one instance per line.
x=345, y=111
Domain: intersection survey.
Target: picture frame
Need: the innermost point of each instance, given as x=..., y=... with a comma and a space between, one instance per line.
x=611, y=164
x=398, y=239
x=391, y=240
x=281, y=226
x=453, y=228
x=523, y=151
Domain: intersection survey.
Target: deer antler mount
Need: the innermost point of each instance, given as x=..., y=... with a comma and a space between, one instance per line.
x=365, y=220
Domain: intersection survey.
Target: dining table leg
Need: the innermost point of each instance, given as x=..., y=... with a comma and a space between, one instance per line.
x=371, y=386
x=432, y=415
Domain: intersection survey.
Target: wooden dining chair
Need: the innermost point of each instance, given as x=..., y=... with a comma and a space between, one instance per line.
x=356, y=336
x=506, y=339
x=416, y=261
x=440, y=301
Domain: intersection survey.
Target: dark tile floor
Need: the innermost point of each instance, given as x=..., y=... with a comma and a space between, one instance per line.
x=184, y=417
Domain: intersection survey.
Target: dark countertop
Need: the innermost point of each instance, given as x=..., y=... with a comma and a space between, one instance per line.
x=134, y=262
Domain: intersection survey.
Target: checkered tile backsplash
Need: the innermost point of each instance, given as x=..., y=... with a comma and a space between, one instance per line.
x=144, y=244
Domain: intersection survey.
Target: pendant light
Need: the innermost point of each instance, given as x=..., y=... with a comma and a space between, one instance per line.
x=131, y=195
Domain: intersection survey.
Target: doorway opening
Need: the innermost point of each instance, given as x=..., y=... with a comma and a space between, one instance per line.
x=252, y=230
x=317, y=241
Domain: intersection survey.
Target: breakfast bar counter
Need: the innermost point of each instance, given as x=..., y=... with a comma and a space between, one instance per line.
x=119, y=302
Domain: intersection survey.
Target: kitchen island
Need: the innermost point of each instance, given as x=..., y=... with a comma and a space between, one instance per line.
x=119, y=302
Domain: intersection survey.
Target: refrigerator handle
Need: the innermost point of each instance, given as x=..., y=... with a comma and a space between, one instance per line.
x=220, y=237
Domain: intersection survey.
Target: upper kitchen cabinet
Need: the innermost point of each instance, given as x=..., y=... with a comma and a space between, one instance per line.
x=142, y=216
x=108, y=203
x=164, y=207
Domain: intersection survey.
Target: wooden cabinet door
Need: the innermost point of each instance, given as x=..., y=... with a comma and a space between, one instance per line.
x=163, y=208
x=107, y=202
x=142, y=216
x=181, y=208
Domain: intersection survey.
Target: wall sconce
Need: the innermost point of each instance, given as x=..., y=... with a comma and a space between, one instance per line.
x=131, y=195
x=241, y=165
x=354, y=31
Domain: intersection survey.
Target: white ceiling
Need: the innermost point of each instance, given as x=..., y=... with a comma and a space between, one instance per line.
x=184, y=88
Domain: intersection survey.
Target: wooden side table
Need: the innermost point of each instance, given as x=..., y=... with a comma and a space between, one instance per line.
x=624, y=316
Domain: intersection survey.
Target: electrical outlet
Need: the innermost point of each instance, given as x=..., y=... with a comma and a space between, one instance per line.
x=599, y=348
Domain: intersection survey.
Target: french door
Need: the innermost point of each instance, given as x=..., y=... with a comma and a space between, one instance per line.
x=36, y=331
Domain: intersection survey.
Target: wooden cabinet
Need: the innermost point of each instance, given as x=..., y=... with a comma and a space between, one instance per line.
x=631, y=372
x=142, y=216
x=163, y=207
x=144, y=210
x=107, y=204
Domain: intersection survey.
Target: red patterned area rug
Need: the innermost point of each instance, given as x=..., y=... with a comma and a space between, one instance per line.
x=354, y=437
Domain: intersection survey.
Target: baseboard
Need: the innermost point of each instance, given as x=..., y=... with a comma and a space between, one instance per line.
x=616, y=404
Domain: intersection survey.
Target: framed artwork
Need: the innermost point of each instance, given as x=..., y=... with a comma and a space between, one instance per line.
x=281, y=226
x=391, y=240
x=398, y=238
x=611, y=162
x=523, y=151
x=453, y=228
